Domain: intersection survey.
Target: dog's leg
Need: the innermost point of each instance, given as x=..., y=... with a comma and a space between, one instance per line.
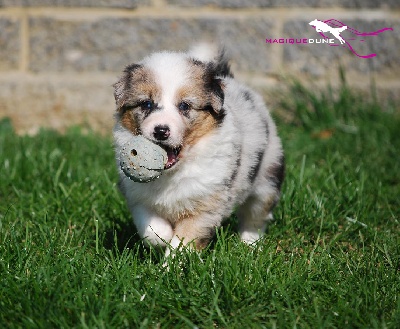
x=154, y=229
x=254, y=216
x=256, y=212
x=193, y=232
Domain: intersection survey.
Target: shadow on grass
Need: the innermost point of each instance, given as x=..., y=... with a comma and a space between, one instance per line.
x=121, y=235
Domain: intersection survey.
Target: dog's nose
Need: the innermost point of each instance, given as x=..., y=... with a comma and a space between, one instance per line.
x=161, y=133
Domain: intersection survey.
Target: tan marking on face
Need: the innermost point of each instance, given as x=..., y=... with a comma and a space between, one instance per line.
x=194, y=93
x=202, y=76
x=139, y=85
x=200, y=99
x=129, y=122
x=136, y=85
x=194, y=90
x=204, y=124
x=146, y=89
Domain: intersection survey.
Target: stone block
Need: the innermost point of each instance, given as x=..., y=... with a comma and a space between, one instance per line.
x=10, y=41
x=129, y=4
x=287, y=3
x=369, y=4
x=223, y=3
x=109, y=44
x=57, y=102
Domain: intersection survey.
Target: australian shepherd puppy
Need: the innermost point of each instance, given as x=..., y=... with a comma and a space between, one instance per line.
x=222, y=145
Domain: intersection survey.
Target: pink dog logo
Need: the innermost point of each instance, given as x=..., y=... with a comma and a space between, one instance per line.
x=323, y=27
x=335, y=27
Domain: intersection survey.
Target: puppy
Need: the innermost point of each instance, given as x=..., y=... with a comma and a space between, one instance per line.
x=222, y=145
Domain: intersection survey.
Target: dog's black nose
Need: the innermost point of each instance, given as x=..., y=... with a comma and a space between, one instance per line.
x=161, y=133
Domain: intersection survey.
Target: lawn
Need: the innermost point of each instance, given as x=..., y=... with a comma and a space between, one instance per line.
x=70, y=256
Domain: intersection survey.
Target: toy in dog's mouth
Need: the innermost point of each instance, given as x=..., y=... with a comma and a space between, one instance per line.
x=173, y=155
x=143, y=161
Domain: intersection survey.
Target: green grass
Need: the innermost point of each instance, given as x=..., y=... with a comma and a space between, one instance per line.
x=70, y=257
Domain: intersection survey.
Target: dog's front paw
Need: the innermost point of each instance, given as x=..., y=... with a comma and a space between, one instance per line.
x=153, y=229
x=158, y=233
x=250, y=237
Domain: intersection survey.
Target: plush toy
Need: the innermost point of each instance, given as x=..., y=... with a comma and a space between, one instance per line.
x=141, y=160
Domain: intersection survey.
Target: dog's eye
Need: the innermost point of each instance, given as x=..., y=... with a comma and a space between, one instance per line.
x=183, y=106
x=147, y=105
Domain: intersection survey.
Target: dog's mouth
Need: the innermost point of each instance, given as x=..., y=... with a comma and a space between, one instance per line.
x=173, y=155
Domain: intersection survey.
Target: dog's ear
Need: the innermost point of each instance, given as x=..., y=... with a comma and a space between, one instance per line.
x=123, y=85
x=215, y=86
x=222, y=66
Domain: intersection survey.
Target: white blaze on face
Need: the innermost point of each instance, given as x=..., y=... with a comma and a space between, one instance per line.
x=170, y=73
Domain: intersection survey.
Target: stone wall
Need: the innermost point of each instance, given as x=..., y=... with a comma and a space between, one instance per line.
x=59, y=58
